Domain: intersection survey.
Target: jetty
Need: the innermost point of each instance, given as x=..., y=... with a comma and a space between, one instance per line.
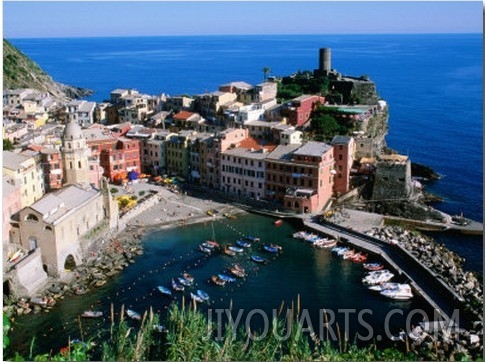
x=444, y=300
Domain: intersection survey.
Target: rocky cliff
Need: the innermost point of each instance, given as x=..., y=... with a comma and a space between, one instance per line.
x=21, y=72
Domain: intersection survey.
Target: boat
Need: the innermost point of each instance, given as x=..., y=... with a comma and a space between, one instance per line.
x=270, y=249
x=252, y=238
x=212, y=243
x=177, y=286
x=258, y=259
x=204, y=249
x=229, y=216
x=188, y=277
x=402, y=292
x=15, y=256
x=302, y=234
x=359, y=257
x=203, y=295
x=279, y=247
x=159, y=328
x=217, y=281
x=401, y=336
x=378, y=277
x=236, y=249
x=207, y=245
x=211, y=213
x=373, y=266
x=325, y=243
x=164, y=290
x=238, y=267
x=196, y=297
x=226, y=278
x=184, y=282
x=238, y=273
x=133, y=315
x=243, y=243
x=229, y=252
x=91, y=314
x=278, y=222
x=383, y=286
x=348, y=254
x=43, y=301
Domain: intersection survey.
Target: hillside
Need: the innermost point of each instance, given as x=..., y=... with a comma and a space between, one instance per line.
x=21, y=72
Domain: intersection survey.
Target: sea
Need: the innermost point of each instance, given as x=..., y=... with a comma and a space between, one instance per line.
x=432, y=84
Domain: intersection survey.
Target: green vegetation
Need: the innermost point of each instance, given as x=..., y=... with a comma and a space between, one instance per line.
x=302, y=82
x=7, y=145
x=191, y=336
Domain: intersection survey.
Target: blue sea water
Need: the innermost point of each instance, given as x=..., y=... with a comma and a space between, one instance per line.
x=433, y=86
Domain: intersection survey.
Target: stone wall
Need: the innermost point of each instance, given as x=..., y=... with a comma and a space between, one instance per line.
x=27, y=276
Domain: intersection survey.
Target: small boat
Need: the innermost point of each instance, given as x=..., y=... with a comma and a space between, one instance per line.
x=383, y=286
x=188, y=277
x=401, y=336
x=92, y=314
x=196, y=297
x=238, y=273
x=243, y=243
x=348, y=254
x=203, y=295
x=373, y=266
x=236, y=249
x=43, y=301
x=339, y=250
x=270, y=249
x=177, y=286
x=204, y=249
x=258, y=259
x=133, y=315
x=184, y=282
x=279, y=247
x=15, y=256
x=212, y=243
x=211, y=213
x=238, y=267
x=378, y=277
x=229, y=216
x=226, y=278
x=402, y=292
x=207, y=245
x=229, y=252
x=159, y=328
x=252, y=238
x=217, y=281
x=164, y=290
x=278, y=222
x=359, y=257
x=300, y=234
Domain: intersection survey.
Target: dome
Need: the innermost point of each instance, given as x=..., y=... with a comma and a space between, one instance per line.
x=72, y=131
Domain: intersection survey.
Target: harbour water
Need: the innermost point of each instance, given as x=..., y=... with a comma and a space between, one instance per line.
x=433, y=85
x=321, y=281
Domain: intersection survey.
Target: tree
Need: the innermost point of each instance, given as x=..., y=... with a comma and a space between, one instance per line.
x=7, y=145
x=266, y=71
x=325, y=126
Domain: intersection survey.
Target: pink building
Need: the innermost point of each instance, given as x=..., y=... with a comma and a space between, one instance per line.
x=11, y=203
x=298, y=110
x=344, y=151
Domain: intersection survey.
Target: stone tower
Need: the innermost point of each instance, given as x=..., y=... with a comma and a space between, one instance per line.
x=75, y=153
x=325, y=60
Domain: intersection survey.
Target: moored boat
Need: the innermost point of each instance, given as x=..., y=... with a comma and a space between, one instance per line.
x=217, y=281
x=383, y=286
x=229, y=252
x=196, y=297
x=183, y=282
x=226, y=278
x=278, y=222
x=359, y=257
x=133, y=315
x=188, y=277
x=243, y=244
x=238, y=273
x=402, y=292
x=212, y=243
x=236, y=249
x=270, y=249
x=252, y=238
x=373, y=266
x=203, y=295
x=204, y=249
x=177, y=286
x=258, y=259
x=378, y=277
x=164, y=290
x=91, y=314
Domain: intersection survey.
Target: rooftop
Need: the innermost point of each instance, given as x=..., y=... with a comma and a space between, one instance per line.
x=313, y=148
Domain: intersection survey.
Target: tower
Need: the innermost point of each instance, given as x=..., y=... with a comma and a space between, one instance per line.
x=75, y=153
x=325, y=60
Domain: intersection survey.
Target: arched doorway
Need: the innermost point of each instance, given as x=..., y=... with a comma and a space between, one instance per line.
x=32, y=243
x=69, y=263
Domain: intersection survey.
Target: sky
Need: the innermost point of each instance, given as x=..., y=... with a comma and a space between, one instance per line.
x=47, y=19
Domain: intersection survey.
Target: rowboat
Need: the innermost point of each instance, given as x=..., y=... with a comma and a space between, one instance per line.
x=252, y=238
x=238, y=273
x=236, y=249
x=217, y=281
x=133, y=315
x=188, y=277
x=226, y=278
x=373, y=266
x=270, y=249
x=177, y=286
x=238, y=267
x=204, y=249
x=229, y=216
x=184, y=282
x=212, y=243
x=196, y=297
x=278, y=222
x=164, y=290
x=229, y=252
x=258, y=259
x=203, y=295
x=243, y=243
x=91, y=314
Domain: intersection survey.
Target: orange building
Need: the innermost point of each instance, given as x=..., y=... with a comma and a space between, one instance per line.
x=119, y=160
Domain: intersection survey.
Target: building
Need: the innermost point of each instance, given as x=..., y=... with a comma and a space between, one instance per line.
x=177, y=153
x=298, y=110
x=75, y=154
x=120, y=159
x=52, y=168
x=300, y=177
x=344, y=151
x=81, y=111
x=11, y=203
x=152, y=153
x=25, y=171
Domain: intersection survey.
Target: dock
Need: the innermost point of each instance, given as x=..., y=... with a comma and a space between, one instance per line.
x=444, y=300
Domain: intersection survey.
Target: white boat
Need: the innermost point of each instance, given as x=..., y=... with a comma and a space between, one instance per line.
x=382, y=276
x=196, y=297
x=383, y=286
x=203, y=295
x=92, y=314
x=164, y=290
x=403, y=292
x=236, y=249
x=133, y=315
x=226, y=278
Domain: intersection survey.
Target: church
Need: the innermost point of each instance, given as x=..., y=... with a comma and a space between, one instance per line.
x=59, y=227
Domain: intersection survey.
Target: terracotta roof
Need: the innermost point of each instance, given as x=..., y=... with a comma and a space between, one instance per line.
x=183, y=115
x=255, y=144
